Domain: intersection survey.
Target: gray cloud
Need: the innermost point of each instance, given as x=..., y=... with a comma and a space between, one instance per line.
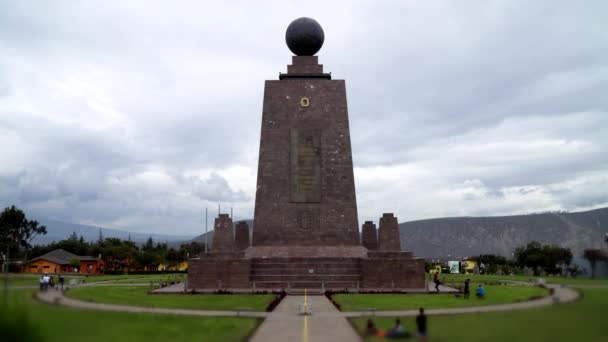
x=139, y=116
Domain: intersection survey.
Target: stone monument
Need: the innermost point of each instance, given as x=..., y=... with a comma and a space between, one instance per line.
x=306, y=230
x=369, y=236
x=241, y=236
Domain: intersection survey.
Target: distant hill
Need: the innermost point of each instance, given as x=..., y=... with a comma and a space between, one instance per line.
x=466, y=236
x=460, y=237
x=456, y=237
x=57, y=230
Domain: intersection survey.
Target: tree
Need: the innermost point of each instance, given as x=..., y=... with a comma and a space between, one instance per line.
x=594, y=256
x=149, y=246
x=100, y=237
x=17, y=231
x=75, y=263
x=549, y=258
x=192, y=249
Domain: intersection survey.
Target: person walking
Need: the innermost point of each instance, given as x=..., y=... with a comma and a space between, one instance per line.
x=436, y=280
x=467, y=291
x=61, y=281
x=41, y=281
x=45, y=282
x=421, y=325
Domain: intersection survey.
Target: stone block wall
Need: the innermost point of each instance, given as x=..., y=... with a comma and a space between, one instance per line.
x=389, y=273
x=223, y=237
x=369, y=237
x=219, y=272
x=241, y=239
x=388, y=235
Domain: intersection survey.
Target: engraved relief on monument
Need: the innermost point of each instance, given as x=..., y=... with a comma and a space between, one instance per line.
x=304, y=220
x=305, y=171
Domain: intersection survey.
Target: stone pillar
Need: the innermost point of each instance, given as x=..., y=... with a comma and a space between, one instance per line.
x=369, y=238
x=388, y=235
x=241, y=240
x=223, y=236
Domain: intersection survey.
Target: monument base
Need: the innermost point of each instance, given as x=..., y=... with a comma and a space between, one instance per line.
x=296, y=267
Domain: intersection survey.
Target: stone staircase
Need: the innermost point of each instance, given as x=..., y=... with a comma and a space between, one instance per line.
x=311, y=273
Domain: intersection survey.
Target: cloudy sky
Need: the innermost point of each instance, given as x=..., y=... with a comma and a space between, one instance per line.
x=138, y=115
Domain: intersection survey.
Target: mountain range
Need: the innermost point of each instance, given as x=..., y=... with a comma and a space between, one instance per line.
x=58, y=230
x=461, y=237
x=450, y=237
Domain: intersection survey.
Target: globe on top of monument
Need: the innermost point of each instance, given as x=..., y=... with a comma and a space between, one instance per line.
x=304, y=36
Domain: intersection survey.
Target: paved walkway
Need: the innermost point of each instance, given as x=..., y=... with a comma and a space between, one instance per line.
x=175, y=288
x=326, y=324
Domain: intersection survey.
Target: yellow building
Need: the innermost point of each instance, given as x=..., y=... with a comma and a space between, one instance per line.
x=468, y=266
x=182, y=266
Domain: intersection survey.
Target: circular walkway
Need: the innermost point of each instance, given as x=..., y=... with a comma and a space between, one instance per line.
x=284, y=323
x=560, y=295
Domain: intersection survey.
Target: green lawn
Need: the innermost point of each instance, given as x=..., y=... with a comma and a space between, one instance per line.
x=137, y=295
x=496, y=294
x=143, y=279
x=19, y=279
x=128, y=277
x=459, y=278
x=583, y=320
x=59, y=324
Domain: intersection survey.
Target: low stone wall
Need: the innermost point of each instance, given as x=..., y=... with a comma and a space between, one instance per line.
x=387, y=273
x=219, y=273
x=379, y=270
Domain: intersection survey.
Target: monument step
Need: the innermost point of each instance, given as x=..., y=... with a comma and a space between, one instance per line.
x=306, y=277
x=338, y=271
x=304, y=267
x=306, y=260
x=306, y=285
x=303, y=263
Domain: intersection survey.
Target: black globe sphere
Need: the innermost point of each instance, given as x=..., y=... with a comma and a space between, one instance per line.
x=304, y=36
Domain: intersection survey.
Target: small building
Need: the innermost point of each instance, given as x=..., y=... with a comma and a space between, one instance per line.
x=468, y=266
x=180, y=266
x=58, y=261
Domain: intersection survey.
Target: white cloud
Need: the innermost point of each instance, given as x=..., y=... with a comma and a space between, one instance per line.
x=139, y=115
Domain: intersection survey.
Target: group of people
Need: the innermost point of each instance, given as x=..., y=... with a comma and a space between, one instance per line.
x=480, y=292
x=398, y=330
x=47, y=281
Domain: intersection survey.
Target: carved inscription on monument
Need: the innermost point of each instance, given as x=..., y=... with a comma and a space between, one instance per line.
x=305, y=150
x=304, y=220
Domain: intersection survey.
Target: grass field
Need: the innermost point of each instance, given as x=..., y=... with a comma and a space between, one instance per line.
x=496, y=294
x=137, y=295
x=459, y=278
x=18, y=279
x=584, y=320
x=128, y=277
x=59, y=324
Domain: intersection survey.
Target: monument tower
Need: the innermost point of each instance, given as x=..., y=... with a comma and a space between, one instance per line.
x=305, y=188
x=306, y=230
